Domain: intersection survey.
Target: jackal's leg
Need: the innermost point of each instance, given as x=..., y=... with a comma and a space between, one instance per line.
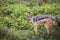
x=35, y=25
x=47, y=25
x=47, y=28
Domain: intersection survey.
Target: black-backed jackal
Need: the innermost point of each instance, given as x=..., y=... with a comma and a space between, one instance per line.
x=44, y=19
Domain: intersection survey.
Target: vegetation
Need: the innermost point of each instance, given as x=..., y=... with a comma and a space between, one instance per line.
x=13, y=25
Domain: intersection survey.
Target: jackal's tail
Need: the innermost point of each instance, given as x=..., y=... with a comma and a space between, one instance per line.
x=57, y=19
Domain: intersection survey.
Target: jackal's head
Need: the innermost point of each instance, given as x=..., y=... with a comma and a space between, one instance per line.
x=29, y=18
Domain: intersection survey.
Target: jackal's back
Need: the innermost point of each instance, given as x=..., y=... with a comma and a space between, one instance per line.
x=40, y=17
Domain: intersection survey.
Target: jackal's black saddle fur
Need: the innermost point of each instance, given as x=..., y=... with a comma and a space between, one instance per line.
x=40, y=17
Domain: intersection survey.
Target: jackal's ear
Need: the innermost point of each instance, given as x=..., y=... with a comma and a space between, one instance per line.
x=28, y=17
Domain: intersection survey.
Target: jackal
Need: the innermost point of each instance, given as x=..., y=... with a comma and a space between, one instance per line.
x=46, y=20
